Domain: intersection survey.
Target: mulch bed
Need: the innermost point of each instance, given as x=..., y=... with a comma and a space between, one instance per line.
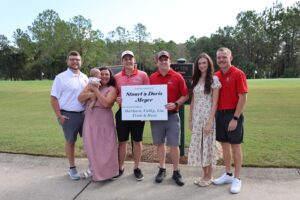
x=149, y=154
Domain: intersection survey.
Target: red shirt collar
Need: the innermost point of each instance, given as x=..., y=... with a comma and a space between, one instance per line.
x=230, y=70
x=135, y=71
x=171, y=71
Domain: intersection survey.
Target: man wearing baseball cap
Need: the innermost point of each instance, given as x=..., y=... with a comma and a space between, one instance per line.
x=168, y=130
x=129, y=76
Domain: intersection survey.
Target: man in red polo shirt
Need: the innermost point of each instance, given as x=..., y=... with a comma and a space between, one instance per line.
x=170, y=129
x=130, y=75
x=229, y=117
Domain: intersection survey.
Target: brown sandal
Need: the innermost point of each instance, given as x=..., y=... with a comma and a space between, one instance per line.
x=198, y=180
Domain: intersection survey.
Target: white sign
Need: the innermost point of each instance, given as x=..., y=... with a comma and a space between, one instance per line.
x=144, y=102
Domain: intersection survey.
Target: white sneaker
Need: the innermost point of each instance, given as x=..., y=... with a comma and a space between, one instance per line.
x=74, y=174
x=223, y=179
x=87, y=173
x=236, y=186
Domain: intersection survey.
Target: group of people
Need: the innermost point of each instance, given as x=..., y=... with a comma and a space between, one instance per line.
x=218, y=98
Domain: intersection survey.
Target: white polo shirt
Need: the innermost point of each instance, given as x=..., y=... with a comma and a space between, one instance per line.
x=66, y=88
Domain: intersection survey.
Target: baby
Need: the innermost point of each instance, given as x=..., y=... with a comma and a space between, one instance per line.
x=94, y=79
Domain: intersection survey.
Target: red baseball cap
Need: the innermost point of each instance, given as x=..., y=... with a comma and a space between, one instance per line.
x=163, y=53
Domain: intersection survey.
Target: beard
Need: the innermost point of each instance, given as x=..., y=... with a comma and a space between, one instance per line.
x=75, y=67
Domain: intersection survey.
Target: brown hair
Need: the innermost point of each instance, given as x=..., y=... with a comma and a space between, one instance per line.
x=209, y=74
x=111, y=81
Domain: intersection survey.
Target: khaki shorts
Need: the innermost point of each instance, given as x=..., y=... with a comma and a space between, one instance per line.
x=170, y=130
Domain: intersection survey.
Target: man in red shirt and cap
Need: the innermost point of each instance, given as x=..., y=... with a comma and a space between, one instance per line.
x=168, y=130
x=129, y=75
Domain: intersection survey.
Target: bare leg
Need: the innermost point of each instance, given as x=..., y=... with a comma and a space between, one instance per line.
x=227, y=156
x=122, y=153
x=204, y=173
x=70, y=153
x=175, y=157
x=237, y=158
x=161, y=151
x=137, y=149
x=208, y=173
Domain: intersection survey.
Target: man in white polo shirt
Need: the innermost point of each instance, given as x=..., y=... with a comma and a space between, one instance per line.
x=69, y=111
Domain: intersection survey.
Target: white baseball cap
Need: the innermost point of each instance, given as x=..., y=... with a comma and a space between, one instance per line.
x=127, y=52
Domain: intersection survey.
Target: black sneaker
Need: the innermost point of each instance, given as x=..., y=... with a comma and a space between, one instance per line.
x=138, y=174
x=177, y=178
x=121, y=171
x=160, y=175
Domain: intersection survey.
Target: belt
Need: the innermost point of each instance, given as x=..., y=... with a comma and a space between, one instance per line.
x=173, y=111
x=227, y=111
x=72, y=111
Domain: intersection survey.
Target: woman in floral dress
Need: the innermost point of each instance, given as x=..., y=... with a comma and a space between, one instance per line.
x=205, y=93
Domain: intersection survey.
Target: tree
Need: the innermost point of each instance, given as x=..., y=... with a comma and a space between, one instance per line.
x=291, y=37
x=249, y=29
x=273, y=37
x=4, y=42
x=43, y=32
x=120, y=34
x=84, y=39
x=24, y=43
x=11, y=61
x=140, y=35
x=197, y=46
x=267, y=42
x=117, y=41
x=5, y=54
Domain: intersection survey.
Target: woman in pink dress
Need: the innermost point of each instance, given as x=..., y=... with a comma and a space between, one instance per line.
x=99, y=132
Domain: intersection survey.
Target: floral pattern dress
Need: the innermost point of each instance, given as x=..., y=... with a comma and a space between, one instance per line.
x=202, y=151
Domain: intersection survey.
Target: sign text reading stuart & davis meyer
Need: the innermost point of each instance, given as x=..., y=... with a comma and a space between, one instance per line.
x=144, y=102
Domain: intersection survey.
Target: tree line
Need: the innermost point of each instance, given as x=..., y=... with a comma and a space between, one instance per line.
x=264, y=45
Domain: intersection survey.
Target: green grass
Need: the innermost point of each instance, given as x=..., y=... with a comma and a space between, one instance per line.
x=272, y=123
x=272, y=118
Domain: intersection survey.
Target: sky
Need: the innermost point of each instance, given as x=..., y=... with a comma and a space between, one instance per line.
x=175, y=20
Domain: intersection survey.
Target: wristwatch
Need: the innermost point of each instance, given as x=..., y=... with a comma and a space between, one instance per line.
x=235, y=118
x=176, y=104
